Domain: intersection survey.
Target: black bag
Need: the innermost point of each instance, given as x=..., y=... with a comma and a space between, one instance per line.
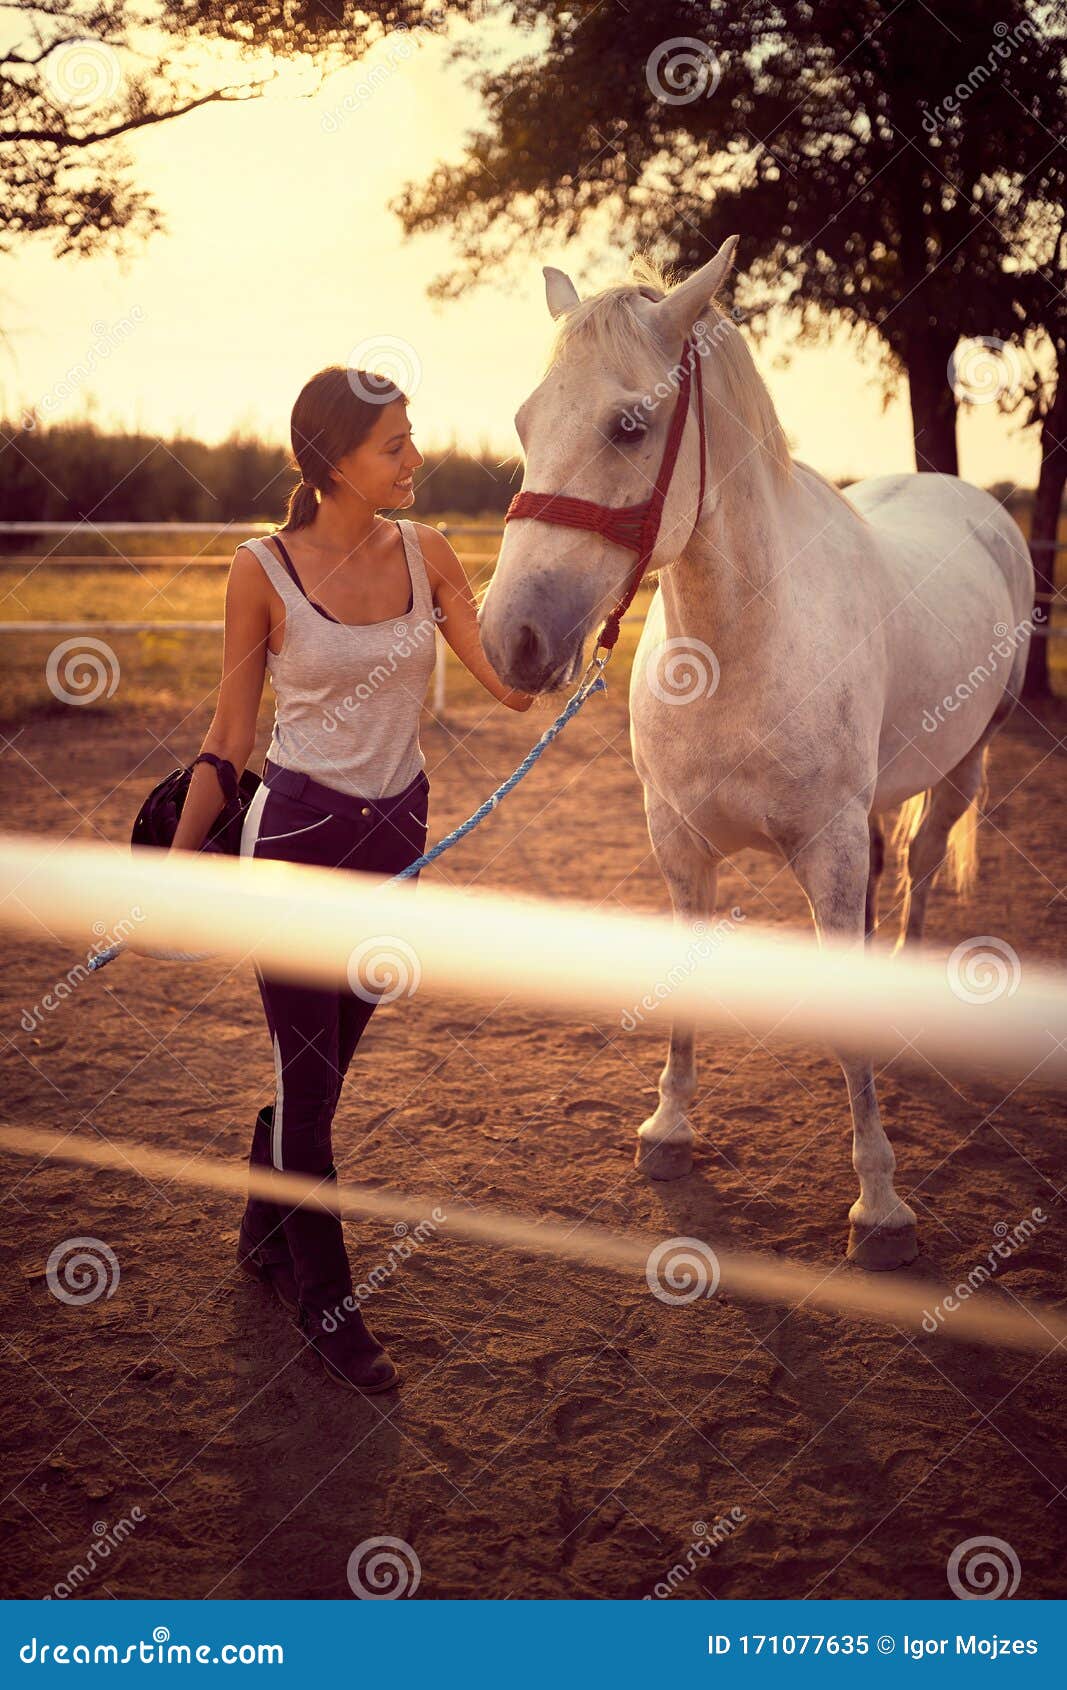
x=157, y=819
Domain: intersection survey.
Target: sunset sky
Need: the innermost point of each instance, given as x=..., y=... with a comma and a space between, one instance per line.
x=280, y=256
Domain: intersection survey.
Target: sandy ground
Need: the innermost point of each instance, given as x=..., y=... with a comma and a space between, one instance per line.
x=560, y=1433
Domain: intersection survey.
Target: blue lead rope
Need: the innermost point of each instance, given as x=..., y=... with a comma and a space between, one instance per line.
x=573, y=705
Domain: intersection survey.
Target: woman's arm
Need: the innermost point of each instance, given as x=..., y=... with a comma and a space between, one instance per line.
x=459, y=617
x=232, y=733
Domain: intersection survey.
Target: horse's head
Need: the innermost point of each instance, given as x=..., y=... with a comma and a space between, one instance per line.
x=595, y=429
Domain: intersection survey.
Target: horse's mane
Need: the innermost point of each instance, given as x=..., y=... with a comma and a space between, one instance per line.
x=607, y=319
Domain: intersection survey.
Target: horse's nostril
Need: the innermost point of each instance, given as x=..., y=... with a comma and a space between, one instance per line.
x=527, y=650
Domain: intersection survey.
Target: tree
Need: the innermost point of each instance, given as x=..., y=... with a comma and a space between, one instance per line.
x=1046, y=398
x=89, y=72
x=874, y=156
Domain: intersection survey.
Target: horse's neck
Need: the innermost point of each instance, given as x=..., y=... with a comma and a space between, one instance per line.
x=731, y=574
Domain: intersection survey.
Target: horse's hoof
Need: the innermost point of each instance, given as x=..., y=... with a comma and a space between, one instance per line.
x=664, y=1158
x=879, y=1248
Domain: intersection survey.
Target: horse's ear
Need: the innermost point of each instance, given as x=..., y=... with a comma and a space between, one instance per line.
x=560, y=291
x=683, y=305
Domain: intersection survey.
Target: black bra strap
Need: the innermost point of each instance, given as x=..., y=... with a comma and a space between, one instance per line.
x=287, y=560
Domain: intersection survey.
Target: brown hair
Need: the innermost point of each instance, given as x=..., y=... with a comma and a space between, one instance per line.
x=334, y=412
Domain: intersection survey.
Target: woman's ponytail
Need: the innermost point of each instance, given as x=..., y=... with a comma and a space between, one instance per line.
x=303, y=504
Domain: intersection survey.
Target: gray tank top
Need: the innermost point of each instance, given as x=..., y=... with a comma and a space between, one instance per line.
x=348, y=696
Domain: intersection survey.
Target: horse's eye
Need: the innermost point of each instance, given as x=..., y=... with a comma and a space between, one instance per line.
x=627, y=430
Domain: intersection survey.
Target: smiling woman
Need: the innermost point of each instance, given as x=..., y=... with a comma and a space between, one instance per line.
x=342, y=613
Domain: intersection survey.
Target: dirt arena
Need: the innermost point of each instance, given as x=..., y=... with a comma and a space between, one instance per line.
x=560, y=1432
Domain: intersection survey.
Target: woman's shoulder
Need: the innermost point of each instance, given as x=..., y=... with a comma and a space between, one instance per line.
x=437, y=553
x=430, y=547
x=430, y=539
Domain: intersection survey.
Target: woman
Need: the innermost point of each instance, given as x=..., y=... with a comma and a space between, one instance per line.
x=340, y=606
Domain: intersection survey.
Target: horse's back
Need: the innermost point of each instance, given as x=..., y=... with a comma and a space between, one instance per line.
x=946, y=518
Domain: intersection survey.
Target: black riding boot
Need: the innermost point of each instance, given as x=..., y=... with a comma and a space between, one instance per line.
x=330, y=1315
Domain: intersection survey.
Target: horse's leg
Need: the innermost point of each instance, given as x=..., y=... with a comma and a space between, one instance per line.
x=876, y=868
x=691, y=869
x=949, y=800
x=834, y=870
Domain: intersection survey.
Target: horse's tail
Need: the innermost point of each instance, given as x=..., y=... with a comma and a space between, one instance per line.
x=960, y=867
x=961, y=856
x=906, y=826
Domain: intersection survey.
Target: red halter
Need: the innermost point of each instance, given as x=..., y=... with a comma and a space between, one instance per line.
x=636, y=527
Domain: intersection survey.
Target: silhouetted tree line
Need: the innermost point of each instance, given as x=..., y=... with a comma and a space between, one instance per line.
x=77, y=472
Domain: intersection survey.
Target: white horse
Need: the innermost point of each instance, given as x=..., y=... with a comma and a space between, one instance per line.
x=808, y=662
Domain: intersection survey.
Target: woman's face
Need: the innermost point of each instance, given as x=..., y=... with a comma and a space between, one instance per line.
x=380, y=470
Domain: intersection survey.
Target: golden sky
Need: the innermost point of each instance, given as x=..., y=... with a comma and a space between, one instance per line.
x=280, y=256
